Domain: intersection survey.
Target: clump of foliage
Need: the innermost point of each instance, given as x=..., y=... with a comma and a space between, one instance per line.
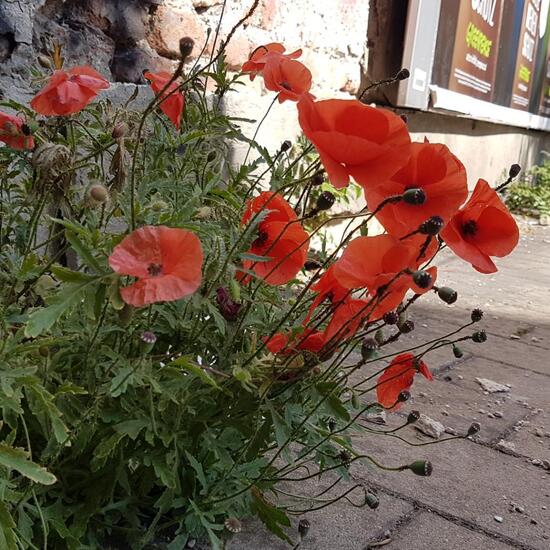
x=169, y=354
x=532, y=194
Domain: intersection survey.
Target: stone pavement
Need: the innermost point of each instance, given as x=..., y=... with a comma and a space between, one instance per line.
x=489, y=492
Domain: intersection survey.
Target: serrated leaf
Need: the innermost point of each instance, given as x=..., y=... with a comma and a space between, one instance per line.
x=67, y=275
x=83, y=251
x=197, y=466
x=131, y=428
x=44, y=404
x=272, y=517
x=187, y=364
x=17, y=459
x=7, y=525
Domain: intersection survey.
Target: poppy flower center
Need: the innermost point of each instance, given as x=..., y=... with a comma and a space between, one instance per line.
x=261, y=239
x=285, y=85
x=154, y=270
x=469, y=228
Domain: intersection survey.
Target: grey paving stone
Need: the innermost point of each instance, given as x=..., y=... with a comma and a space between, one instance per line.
x=469, y=481
x=431, y=532
x=532, y=437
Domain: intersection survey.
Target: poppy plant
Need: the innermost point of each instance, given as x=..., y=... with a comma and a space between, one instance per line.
x=15, y=133
x=173, y=104
x=482, y=228
x=290, y=78
x=281, y=240
x=440, y=180
x=354, y=140
x=68, y=92
x=398, y=377
x=259, y=57
x=166, y=261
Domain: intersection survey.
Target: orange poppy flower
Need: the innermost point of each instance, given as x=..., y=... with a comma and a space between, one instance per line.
x=167, y=262
x=284, y=344
x=399, y=376
x=280, y=238
x=261, y=54
x=291, y=79
x=482, y=228
x=441, y=179
x=373, y=263
x=68, y=92
x=326, y=287
x=355, y=140
x=14, y=132
x=347, y=319
x=174, y=104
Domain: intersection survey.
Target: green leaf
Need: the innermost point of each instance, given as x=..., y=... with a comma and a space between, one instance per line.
x=187, y=364
x=17, y=459
x=336, y=407
x=197, y=466
x=255, y=257
x=131, y=428
x=83, y=251
x=44, y=318
x=67, y=275
x=44, y=404
x=119, y=383
x=271, y=516
x=7, y=526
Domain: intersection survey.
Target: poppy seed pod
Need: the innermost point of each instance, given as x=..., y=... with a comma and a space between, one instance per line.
x=474, y=428
x=379, y=335
x=368, y=348
x=125, y=315
x=413, y=417
x=303, y=528
x=233, y=525
x=403, y=74
x=421, y=467
x=447, y=294
x=311, y=265
x=331, y=424
x=406, y=327
x=457, y=352
x=317, y=179
x=211, y=156
x=391, y=318
x=286, y=145
x=477, y=315
x=325, y=201
x=371, y=500
x=186, y=46
x=432, y=226
x=514, y=170
x=403, y=396
x=414, y=196
x=148, y=340
x=479, y=337
x=422, y=278
x=99, y=193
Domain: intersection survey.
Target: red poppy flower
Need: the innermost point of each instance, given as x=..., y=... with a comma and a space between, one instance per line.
x=261, y=54
x=346, y=320
x=434, y=170
x=174, y=104
x=355, y=140
x=326, y=287
x=399, y=376
x=379, y=264
x=284, y=344
x=483, y=227
x=280, y=238
x=13, y=132
x=68, y=92
x=167, y=262
x=291, y=79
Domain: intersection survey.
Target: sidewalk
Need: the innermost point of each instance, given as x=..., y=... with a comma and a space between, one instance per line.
x=491, y=492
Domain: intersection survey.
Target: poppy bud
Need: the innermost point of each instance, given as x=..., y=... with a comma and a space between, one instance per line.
x=413, y=417
x=391, y=318
x=44, y=351
x=415, y=196
x=422, y=278
x=99, y=193
x=331, y=424
x=421, y=467
x=447, y=294
x=148, y=340
x=344, y=456
x=186, y=46
x=514, y=170
x=125, y=315
x=227, y=306
x=406, y=327
x=311, y=265
x=317, y=179
x=404, y=118
x=44, y=61
x=479, y=337
x=432, y=226
x=457, y=352
x=235, y=290
x=211, y=156
x=474, y=428
x=403, y=396
x=119, y=131
x=371, y=500
x=403, y=74
x=368, y=348
x=233, y=525
x=379, y=336
x=477, y=315
x=325, y=201
x=285, y=146
x=303, y=528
